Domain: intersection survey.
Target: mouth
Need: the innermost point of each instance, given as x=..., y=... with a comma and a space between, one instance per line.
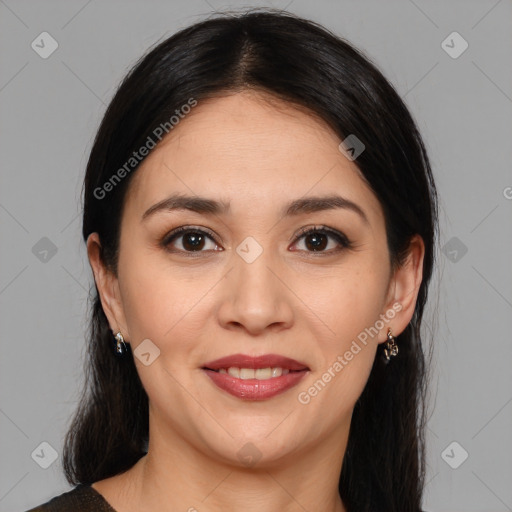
x=255, y=378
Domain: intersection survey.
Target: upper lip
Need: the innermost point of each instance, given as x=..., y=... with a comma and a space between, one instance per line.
x=264, y=361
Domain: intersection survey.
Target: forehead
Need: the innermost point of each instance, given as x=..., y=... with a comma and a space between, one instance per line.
x=247, y=148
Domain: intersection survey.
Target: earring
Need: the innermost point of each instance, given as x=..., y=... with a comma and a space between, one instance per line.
x=391, y=348
x=121, y=347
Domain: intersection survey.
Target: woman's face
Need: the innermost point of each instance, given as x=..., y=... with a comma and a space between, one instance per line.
x=245, y=281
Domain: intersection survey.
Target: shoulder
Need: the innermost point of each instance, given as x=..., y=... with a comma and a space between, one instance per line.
x=83, y=498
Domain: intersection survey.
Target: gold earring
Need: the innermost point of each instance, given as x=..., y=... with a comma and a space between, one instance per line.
x=121, y=347
x=391, y=348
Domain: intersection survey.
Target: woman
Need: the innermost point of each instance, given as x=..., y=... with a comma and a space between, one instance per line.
x=260, y=218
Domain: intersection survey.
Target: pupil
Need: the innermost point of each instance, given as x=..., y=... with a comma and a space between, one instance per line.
x=193, y=241
x=318, y=241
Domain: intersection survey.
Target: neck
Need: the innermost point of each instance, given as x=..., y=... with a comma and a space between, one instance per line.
x=231, y=489
x=175, y=476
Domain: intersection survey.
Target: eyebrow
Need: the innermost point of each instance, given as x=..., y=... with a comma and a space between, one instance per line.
x=300, y=206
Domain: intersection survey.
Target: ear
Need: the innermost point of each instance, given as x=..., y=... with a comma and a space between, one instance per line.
x=108, y=287
x=404, y=287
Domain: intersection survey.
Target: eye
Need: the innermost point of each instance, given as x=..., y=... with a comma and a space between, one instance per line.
x=316, y=239
x=191, y=240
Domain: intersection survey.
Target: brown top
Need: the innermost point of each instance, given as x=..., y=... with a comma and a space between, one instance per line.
x=83, y=498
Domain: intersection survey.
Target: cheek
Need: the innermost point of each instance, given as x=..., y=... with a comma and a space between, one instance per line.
x=162, y=302
x=349, y=304
x=151, y=299
x=346, y=301
x=346, y=359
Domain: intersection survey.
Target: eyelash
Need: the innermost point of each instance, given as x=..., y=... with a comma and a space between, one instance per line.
x=342, y=240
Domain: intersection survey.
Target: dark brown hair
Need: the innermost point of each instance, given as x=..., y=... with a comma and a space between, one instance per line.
x=302, y=63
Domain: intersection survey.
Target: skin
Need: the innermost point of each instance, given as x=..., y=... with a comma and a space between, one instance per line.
x=307, y=305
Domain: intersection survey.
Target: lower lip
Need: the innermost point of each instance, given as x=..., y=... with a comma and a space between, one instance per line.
x=254, y=389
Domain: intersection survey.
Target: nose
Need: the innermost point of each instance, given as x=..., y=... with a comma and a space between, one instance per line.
x=256, y=296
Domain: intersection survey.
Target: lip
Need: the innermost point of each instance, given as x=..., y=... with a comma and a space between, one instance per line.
x=264, y=361
x=255, y=389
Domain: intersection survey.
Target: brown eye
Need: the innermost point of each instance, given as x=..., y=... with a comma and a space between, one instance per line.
x=193, y=241
x=190, y=240
x=318, y=239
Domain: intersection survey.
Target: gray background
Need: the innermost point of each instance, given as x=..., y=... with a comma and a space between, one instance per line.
x=50, y=109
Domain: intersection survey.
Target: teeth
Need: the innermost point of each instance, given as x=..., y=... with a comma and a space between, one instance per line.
x=234, y=372
x=277, y=372
x=250, y=373
x=247, y=373
x=263, y=373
